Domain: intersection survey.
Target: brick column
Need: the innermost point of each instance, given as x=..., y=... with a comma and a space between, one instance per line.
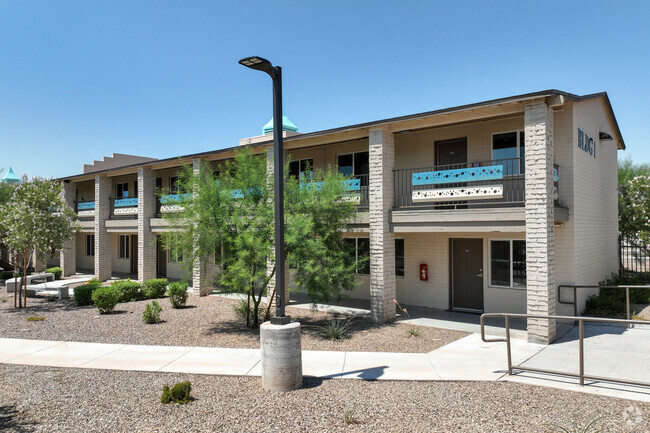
x=382, y=242
x=103, y=258
x=39, y=265
x=540, y=217
x=146, y=211
x=270, y=169
x=68, y=255
x=202, y=278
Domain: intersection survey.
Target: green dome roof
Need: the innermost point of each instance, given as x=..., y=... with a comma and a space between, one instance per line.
x=287, y=125
x=10, y=177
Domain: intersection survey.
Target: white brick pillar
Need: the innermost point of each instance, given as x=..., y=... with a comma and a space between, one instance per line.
x=382, y=242
x=146, y=211
x=68, y=256
x=103, y=257
x=270, y=263
x=540, y=217
x=202, y=277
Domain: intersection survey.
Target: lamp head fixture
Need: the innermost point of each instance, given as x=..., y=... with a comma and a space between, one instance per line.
x=605, y=136
x=259, y=64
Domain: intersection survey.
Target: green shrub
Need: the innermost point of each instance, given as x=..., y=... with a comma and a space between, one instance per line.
x=129, y=290
x=611, y=302
x=36, y=318
x=334, y=329
x=242, y=311
x=179, y=393
x=83, y=294
x=56, y=271
x=155, y=288
x=5, y=275
x=152, y=312
x=106, y=298
x=177, y=294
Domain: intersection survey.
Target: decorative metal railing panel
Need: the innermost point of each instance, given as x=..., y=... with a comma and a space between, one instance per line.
x=126, y=202
x=88, y=205
x=473, y=174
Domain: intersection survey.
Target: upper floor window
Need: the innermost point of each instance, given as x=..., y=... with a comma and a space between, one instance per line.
x=122, y=190
x=356, y=165
x=508, y=150
x=173, y=184
x=300, y=167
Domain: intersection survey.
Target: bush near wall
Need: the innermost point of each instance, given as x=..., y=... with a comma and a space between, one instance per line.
x=155, y=288
x=83, y=294
x=106, y=298
x=56, y=271
x=611, y=302
x=5, y=275
x=129, y=290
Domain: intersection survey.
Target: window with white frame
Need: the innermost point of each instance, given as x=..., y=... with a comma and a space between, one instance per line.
x=399, y=257
x=508, y=150
x=508, y=263
x=90, y=245
x=301, y=168
x=360, y=249
x=124, y=247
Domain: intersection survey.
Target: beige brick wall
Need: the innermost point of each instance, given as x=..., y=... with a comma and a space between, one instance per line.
x=83, y=261
x=146, y=239
x=103, y=261
x=595, y=210
x=67, y=260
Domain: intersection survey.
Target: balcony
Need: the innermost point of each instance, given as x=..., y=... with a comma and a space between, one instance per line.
x=482, y=184
x=85, y=209
x=124, y=208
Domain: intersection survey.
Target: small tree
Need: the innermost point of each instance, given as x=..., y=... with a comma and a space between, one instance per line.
x=628, y=223
x=637, y=199
x=35, y=219
x=235, y=214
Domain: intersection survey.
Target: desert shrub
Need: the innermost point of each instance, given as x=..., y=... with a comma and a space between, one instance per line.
x=129, y=290
x=245, y=313
x=36, y=318
x=56, y=271
x=106, y=298
x=83, y=294
x=152, y=312
x=177, y=294
x=155, y=288
x=179, y=393
x=4, y=299
x=334, y=329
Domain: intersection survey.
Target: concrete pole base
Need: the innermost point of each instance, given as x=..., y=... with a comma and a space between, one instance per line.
x=281, y=356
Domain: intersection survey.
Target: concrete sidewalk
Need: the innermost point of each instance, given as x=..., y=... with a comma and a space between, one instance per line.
x=467, y=359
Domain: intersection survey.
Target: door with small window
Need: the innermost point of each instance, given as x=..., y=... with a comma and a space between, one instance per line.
x=467, y=274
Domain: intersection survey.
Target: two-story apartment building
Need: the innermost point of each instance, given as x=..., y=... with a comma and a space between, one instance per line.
x=484, y=207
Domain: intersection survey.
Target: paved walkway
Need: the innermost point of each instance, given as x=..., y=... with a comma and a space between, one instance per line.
x=466, y=359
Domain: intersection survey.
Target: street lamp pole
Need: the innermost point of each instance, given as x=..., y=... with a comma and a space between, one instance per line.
x=275, y=72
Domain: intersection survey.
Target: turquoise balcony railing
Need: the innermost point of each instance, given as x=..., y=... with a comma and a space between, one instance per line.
x=86, y=205
x=126, y=202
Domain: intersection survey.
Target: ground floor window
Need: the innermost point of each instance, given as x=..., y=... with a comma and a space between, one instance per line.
x=399, y=257
x=124, y=247
x=360, y=249
x=508, y=263
x=90, y=245
x=175, y=254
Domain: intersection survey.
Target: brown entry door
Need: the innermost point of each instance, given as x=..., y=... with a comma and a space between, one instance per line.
x=467, y=274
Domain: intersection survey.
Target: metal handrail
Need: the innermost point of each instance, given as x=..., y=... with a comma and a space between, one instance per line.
x=575, y=298
x=581, y=354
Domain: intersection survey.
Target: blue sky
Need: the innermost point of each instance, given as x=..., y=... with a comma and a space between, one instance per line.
x=83, y=79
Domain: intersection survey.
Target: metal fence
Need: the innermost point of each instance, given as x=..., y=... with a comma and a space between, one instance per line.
x=634, y=258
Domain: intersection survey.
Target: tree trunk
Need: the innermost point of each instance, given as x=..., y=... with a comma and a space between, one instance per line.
x=15, y=282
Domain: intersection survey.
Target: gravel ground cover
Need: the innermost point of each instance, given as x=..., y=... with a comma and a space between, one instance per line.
x=207, y=321
x=42, y=399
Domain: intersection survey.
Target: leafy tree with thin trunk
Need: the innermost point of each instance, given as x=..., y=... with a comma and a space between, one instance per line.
x=229, y=218
x=631, y=198
x=34, y=219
